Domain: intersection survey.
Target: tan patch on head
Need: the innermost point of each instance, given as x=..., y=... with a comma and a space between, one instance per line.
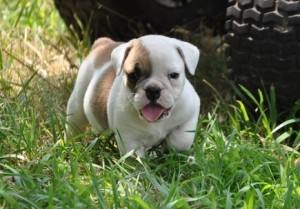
x=101, y=50
x=137, y=58
x=101, y=93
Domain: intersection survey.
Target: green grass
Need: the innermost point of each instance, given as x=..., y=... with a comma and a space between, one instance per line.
x=237, y=161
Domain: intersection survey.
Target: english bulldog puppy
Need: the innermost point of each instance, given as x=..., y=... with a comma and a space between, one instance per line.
x=139, y=90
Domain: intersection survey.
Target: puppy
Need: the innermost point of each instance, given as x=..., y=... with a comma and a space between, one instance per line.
x=139, y=90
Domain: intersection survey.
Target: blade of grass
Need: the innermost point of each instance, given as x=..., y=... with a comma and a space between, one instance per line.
x=7, y=197
x=285, y=123
x=260, y=107
x=101, y=200
x=244, y=111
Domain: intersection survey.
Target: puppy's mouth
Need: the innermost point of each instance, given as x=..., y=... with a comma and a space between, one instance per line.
x=154, y=112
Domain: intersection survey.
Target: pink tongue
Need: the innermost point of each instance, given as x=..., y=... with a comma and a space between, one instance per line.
x=152, y=112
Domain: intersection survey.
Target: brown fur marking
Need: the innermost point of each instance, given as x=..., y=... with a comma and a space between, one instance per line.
x=100, y=97
x=101, y=52
x=137, y=55
x=102, y=49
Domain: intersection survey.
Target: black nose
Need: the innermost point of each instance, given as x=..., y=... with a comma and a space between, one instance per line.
x=153, y=92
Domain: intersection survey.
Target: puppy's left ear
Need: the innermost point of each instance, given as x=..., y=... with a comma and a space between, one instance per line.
x=119, y=55
x=190, y=55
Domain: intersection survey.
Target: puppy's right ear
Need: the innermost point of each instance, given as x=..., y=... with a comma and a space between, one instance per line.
x=119, y=55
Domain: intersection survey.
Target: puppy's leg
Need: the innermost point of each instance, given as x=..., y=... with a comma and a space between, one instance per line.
x=182, y=138
x=128, y=144
x=76, y=119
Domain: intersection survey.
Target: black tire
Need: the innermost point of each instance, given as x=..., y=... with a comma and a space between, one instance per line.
x=126, y=19
x=188, y=15
x=112, y=18
x=264, y=46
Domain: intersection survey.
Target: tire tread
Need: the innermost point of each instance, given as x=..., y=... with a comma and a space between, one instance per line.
x=264, y=46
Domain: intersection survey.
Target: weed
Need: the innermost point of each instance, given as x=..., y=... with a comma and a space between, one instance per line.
x=237, y=161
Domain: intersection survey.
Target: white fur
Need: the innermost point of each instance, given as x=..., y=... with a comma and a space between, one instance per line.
x=131, y=131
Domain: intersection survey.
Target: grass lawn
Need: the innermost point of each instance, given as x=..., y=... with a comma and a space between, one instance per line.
x=237, y=161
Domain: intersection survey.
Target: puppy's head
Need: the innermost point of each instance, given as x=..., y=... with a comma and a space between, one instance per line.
x=153, y=70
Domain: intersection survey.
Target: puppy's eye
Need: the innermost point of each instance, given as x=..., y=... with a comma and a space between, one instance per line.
x=173, y=75
x=134, y=76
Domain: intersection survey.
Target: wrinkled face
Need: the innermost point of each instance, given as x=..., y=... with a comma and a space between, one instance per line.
x=153, y=70
x=154, y=77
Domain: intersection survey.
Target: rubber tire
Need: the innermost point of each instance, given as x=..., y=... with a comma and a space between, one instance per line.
x=127, y=19
x=264, y=46
x=99, y=17
x=164, y=19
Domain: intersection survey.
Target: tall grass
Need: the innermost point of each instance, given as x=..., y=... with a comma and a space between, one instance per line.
x=237, y=161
